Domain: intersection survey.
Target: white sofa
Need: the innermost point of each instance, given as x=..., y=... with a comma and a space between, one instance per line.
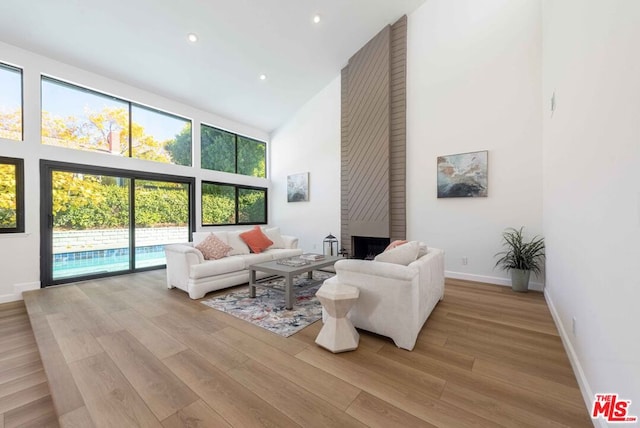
x=395, y=300
x=189, y=271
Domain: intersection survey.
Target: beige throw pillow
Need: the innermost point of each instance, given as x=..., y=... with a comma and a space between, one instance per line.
x=401, y=255
x=212, y=248
x=239, y=246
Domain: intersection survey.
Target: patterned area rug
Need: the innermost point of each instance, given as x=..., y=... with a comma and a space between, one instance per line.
x=267, y=309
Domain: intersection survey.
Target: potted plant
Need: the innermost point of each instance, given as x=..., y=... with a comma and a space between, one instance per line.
x=520, y=258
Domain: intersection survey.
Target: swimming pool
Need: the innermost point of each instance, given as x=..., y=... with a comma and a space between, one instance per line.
x=66, y=265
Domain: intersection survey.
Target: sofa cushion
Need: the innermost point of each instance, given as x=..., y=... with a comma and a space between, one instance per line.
x=275, y=236
x=256, y=240
x=401, y=255
x=217, y=267
x=239, y=247
x=253, y=258
x=212, y=248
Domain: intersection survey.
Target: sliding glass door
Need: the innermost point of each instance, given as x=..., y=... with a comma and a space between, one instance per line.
x=162, y=217
x=100, y=222
x=90, y=224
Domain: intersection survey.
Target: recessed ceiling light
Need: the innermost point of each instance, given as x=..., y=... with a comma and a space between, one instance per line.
x=316, y=19
x=192, y=37
x=263, y=77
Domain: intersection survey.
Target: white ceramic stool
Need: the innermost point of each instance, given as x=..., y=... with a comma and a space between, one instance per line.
x=337, y=334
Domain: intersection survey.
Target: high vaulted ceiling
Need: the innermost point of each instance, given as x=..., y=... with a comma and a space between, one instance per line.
x=144, y=43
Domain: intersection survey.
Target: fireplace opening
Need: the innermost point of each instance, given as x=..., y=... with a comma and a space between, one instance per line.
x=367, y=247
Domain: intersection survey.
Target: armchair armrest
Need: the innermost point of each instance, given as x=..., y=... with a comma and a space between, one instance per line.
x=378, y=269
x=290, y=241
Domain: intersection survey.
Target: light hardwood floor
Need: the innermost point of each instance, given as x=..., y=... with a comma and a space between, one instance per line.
x=24, y=394
x=125, y=351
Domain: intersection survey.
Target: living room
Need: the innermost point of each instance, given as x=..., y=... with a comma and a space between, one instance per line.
x=480, y=76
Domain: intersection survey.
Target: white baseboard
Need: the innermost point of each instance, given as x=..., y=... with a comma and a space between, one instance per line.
x=537, y=286
x=585, y=389
x=17, y=291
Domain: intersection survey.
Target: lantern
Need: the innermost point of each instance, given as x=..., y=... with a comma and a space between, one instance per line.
x=330, y=246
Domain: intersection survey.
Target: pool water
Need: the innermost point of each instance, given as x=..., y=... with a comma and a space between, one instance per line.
x=66, y=265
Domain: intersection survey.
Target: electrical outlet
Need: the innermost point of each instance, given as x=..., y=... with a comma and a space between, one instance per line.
x=465, y=261
x=573, y=326
x=553, y=103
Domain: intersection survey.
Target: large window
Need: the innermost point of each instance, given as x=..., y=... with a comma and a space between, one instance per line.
x=224, y=203
x=100, y=221
x=83, y=119
x=10, y=103
x=11, y=195
x=228, y=152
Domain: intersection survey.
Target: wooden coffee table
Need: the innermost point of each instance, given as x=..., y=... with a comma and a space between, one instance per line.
x=288, y=273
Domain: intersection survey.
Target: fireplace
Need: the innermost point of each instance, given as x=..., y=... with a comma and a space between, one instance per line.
x=367, y=247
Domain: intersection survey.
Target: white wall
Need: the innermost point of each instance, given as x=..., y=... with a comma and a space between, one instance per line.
x=309, y=142
x=474, y=83
x=20, y=253
x=591, y=180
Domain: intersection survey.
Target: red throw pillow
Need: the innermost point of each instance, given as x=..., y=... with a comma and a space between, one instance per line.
x=256, y=240
x=395, y=244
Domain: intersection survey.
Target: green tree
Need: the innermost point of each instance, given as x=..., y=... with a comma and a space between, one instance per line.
x=180, y=148
x=251, y=157
x=251, y=206
x=218, y=204
x=218, y=150
x=7, y=196
x=104, y=131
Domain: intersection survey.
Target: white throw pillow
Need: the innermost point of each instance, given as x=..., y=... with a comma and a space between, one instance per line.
x=239, y=246
x=423, y=250
x=274, y=235
x=401, y=255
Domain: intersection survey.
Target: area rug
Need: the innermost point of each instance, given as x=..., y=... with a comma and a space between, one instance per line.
x=267, y=309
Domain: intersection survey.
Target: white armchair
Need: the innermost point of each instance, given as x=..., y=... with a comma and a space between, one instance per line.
x=395, y=300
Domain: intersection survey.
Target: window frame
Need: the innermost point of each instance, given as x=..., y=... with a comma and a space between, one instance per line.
x=20, y=210
x=21, y=71
x=236, y=187
x=129, y=105
x=235, y=145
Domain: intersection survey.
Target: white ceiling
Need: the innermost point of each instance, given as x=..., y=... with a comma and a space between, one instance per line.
x=144, y=43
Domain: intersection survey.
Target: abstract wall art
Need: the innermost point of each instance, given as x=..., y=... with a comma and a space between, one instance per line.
x=463, y=175
x=298, y=187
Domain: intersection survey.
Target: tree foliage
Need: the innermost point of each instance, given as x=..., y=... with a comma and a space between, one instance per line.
x=11, y=124
x=219, y=153
x=7, y=196
x=98, y=202
x=107, y=131
x=180, y=148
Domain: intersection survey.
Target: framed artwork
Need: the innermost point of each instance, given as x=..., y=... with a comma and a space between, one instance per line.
x=463, y=175
x=298, y=187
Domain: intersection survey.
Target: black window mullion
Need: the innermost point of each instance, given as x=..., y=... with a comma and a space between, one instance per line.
x=132, y=223
x=18, y=165
x=130, y=133
x=236, y=159
x=237, y=210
